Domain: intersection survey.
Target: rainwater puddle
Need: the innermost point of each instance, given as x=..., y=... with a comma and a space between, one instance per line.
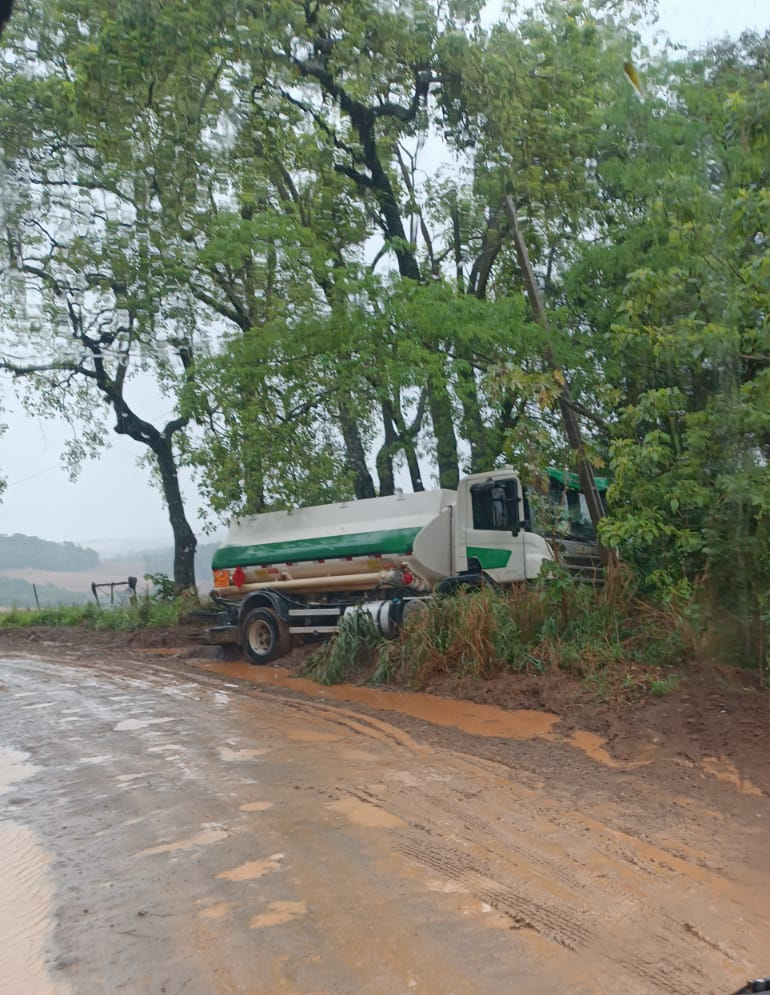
x=25, y=913
x=467, y=716
x=256, y=806
x=229, y=755
x=253, y=869
x=14, y=766
x=203, y=838
x=129, y=725
x=278, y=913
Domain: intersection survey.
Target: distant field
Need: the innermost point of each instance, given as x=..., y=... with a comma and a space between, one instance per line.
x=105, y=572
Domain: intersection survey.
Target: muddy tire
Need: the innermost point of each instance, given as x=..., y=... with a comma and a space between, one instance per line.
x=263, y=636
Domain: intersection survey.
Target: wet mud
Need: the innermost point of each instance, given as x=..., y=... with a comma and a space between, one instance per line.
x=26, y=887
x=207, y=828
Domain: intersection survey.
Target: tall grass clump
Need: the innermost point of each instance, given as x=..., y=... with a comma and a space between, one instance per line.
x=353, y=648
x=558, y=624
x=608, y=635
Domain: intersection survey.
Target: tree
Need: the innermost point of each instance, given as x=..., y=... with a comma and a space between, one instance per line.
x=335, y=106
x=676, y=294
x=104, y=137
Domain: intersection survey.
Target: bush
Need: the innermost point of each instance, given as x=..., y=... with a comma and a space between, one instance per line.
x=609, y=636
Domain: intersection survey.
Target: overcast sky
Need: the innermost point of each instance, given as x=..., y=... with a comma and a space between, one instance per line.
x=112, y=502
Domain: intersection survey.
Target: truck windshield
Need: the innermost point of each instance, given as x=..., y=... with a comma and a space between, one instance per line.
x=556, y=508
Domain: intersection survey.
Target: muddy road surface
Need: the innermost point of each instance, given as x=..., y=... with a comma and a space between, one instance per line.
x=203, y=828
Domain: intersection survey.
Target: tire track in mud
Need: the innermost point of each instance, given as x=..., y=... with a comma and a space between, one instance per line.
x=583, y=890
x=559, y=925
x=544, y=865
x=357, y=722
x=574, y=925
x=366, y=725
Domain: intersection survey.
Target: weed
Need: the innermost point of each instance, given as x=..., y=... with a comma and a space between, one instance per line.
x=659, y=687
x=597, y=634
x=352, y=647
x=148, y=613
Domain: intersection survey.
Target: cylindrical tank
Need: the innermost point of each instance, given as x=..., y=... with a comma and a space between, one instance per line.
x=384, y=615
x=401, y=540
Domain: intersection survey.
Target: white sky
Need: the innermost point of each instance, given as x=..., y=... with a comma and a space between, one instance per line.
x=113, y=505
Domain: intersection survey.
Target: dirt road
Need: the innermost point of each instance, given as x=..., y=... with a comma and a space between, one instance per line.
x=176, y=827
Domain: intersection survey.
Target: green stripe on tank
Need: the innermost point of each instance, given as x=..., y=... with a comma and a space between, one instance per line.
x=324, y=548
x=489, y=558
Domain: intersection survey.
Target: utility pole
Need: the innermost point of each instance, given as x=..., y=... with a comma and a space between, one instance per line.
x=568, y=415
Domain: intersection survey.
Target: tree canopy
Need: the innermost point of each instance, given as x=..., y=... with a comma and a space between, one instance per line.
x=289, y=217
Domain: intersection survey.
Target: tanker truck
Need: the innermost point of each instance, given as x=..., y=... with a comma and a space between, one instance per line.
x=283, y=576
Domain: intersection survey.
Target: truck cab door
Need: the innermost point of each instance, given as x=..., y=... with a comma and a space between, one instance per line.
x=490, y=526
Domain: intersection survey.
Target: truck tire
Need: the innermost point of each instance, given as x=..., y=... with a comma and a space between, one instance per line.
x=263, y=636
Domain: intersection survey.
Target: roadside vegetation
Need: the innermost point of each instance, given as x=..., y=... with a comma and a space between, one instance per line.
x=156, y=607
x=296, y=227
x=122, y=618
x=618, y=642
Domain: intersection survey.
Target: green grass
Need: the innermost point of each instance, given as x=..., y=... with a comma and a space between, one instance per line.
x=146, y=613
x=354, y=646
x=619, y=644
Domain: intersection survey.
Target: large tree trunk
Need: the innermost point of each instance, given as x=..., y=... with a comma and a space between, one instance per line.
x=185, y=542
x=440, y=408
x=406, y=436
x=160, y=443
x=384, y=458
x=363, y=485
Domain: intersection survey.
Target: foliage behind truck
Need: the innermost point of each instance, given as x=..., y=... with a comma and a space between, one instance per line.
x=285, y=575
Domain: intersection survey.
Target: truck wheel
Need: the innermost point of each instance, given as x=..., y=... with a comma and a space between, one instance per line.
x=264, y=637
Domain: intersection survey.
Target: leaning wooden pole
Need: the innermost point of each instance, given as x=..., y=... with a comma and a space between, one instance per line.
x=568, y=415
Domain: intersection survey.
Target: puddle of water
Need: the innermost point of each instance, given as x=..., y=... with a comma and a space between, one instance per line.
x=467, y=716
x=14, y=767
x=25, y=913
x=253, y=869
x=256, y=806
x=131, y=724
x=229, y=755
x=278, y=913
x=364, y=814
x=202, y=838
x=478, y=720
x=127, y=779
x=593, y=747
